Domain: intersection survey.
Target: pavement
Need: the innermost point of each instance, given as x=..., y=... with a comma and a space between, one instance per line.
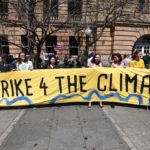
x=74, y=127
x=134, y=123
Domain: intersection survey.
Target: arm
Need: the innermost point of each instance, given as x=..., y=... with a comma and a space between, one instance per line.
x=30, y=65
x=131, y=64
x=142, y=64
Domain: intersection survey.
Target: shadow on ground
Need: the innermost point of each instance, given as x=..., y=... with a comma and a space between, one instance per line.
x=111, y=104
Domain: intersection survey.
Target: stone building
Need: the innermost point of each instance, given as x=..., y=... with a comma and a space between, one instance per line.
x=117, y=26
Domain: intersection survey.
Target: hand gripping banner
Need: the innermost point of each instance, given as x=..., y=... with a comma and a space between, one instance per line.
x=38, y=87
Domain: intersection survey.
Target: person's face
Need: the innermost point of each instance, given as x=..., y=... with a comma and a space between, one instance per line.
x=115, y=58
x=97, y=58
x=52, y=61
x=22, y=56
x=138, y=55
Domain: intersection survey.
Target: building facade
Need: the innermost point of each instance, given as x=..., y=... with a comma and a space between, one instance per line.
x=117, y=26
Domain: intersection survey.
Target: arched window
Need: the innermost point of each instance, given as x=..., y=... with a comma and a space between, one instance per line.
x=143, y=44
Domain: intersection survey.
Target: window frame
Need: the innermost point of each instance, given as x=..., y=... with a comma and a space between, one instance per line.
x=51, y=44
x=49, y=9
x=4, y=8
x=75, y=5
x=75, y=45
x=4, y=47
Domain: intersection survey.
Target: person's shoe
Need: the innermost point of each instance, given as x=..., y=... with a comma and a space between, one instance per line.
x=101, y=106
x=112, y=105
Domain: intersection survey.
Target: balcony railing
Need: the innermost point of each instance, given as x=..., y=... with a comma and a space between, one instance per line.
x=75, y=18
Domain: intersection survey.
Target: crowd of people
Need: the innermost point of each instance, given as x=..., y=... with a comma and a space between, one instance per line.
x=116, y=60
x=136, y=61
x=8, y=63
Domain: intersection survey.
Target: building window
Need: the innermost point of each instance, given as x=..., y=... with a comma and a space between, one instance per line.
x=3, y=8
x=51, y=8
x=4, y=44
x=144, y=6
x=45, y=7
x=74, y=45
x=75, y=9
x=51, y=44
x=24, y=43
x=54, y=8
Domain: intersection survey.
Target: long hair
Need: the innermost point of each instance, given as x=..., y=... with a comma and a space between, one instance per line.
x=19, y=59
x=135, y=53
x=53, y=56
x=119, y=57
x=93, y=60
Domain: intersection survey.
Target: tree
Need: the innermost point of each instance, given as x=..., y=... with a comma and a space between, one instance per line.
x=31, y=18
x=104, y=14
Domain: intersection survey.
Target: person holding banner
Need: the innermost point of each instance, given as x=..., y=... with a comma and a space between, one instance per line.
x=95, y=62
x=116, y=61
x=136, y=61
x=53, y=63
x=23, y=63
x=6, y=64
x=126, y=60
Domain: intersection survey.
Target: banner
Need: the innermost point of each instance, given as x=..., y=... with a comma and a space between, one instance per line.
x=50, y=86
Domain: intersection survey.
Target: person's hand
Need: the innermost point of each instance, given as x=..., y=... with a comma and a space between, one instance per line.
x=30, y=68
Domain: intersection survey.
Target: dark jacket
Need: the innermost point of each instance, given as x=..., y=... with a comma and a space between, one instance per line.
x=7, y=67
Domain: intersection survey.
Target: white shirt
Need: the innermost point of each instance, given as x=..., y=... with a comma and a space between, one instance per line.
x=125, y=62
x=92, y=65
x=25, y=66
